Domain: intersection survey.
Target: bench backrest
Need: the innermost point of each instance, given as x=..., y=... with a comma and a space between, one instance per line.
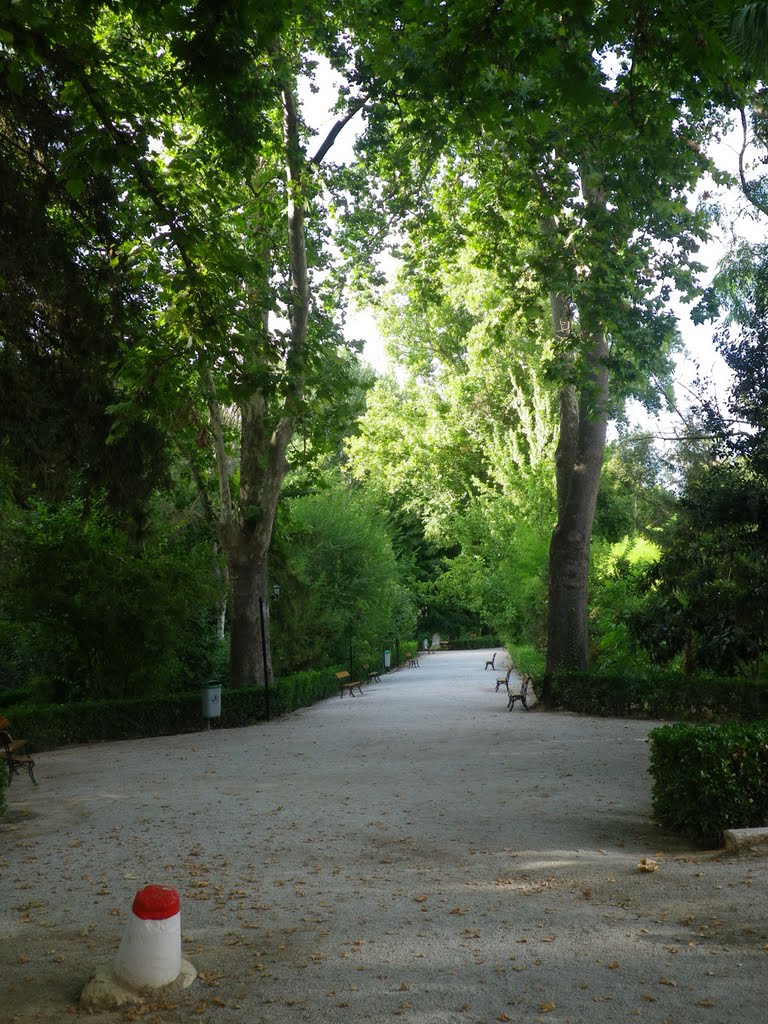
x=5, y=739
x=341, y=676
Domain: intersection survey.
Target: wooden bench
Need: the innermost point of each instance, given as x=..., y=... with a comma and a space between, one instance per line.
x=414, y=661
x=347, y=684
x=372, y=674
x=521, y=694
x=15, y=760
x=504, y=680
x=492, y=663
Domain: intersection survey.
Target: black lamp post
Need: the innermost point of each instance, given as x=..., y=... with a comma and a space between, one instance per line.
x=275, y=595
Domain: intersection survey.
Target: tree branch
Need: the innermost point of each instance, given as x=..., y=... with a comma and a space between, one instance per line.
x=333, y=134
x=226, y=514
x=746, y=186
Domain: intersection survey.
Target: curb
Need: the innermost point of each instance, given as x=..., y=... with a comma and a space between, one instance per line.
x=746, y=840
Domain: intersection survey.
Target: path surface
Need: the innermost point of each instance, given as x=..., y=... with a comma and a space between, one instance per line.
x=416, y=852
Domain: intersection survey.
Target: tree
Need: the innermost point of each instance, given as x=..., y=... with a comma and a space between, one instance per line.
x=706, y=598
x=464, y=442
x=190, y=114
x=342, y=590
x=564, y=142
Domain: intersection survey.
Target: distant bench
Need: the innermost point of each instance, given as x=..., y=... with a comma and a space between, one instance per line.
x=347, y=684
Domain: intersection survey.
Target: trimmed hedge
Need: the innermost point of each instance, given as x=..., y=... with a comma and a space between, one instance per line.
x=57, y=725
x=660, y=695
x=527, y=660
x=708, y=778
x=470, y=643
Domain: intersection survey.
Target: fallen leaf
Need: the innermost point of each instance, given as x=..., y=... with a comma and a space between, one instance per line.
x=667, y=981
x=547, y=1007
x=646, y=864
x=613, y=965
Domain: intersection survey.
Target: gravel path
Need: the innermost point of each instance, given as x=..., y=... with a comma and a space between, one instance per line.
x=416, y=852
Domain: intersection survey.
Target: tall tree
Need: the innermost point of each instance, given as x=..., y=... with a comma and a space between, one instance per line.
x=190, y=113
x=568, y=139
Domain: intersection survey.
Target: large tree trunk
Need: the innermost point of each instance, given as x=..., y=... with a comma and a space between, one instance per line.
x=250, y=649
x=579, y=460
x=245, y=532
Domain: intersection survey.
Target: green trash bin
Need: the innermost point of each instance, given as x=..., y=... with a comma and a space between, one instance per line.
x=211, y=695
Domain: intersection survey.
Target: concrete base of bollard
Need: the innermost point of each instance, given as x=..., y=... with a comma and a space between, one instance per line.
x=747, y=840
x=105, y=991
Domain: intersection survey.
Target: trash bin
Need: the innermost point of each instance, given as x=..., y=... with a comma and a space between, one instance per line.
x=387, y=659
x=211, y=695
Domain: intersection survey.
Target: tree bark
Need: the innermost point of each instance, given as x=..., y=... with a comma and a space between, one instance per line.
x=579, y=461
x=245, y=531
x=250, y=647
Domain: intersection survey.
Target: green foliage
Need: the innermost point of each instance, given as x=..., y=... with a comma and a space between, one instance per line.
x=708, y=778
x=91, y=613
x=616, y=573
x=634, y=496
x=527, y=659
x=655, y=693
x=706, y=599
x=500, y=569
x=470, y=643
x=340, y=581
x=3, y=786
x=48, y=726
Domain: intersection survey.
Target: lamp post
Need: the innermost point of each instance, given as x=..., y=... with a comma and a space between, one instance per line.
x=275, y=595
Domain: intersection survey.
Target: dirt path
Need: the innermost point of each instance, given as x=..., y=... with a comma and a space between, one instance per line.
x=416, y=852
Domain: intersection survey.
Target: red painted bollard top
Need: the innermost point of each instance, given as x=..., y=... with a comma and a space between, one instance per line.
x=156, y=903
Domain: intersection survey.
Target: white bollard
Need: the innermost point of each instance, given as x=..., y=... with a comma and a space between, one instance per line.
x=150, y=950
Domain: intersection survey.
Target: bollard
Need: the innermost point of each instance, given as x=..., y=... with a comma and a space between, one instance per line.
x=150, y=950
x=149, y=956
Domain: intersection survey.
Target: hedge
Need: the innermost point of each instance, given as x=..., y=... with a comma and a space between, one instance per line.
x=56, y=725
x=527, y=660
x=660, y=694
x=470, y=643
x=708, y=778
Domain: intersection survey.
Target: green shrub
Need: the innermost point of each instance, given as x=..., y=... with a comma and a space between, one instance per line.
x=3, y=784
x=9, y=698
x=708, y=778
x=49, y=726
x=471, y=643
x=660, y=694
x=527, y=660
x=88, y=612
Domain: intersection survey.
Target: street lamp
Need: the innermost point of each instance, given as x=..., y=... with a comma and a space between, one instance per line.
x=275, y=595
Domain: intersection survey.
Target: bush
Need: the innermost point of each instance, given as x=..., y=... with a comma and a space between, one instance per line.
x=527, y=660
x=340, y=581
x=471, y=643
x=87, y=611
x=3, y=784
x=49, y=726
x=660, y=694
x=708, y=778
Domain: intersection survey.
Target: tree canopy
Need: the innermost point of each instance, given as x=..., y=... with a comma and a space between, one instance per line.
x=176, y=250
